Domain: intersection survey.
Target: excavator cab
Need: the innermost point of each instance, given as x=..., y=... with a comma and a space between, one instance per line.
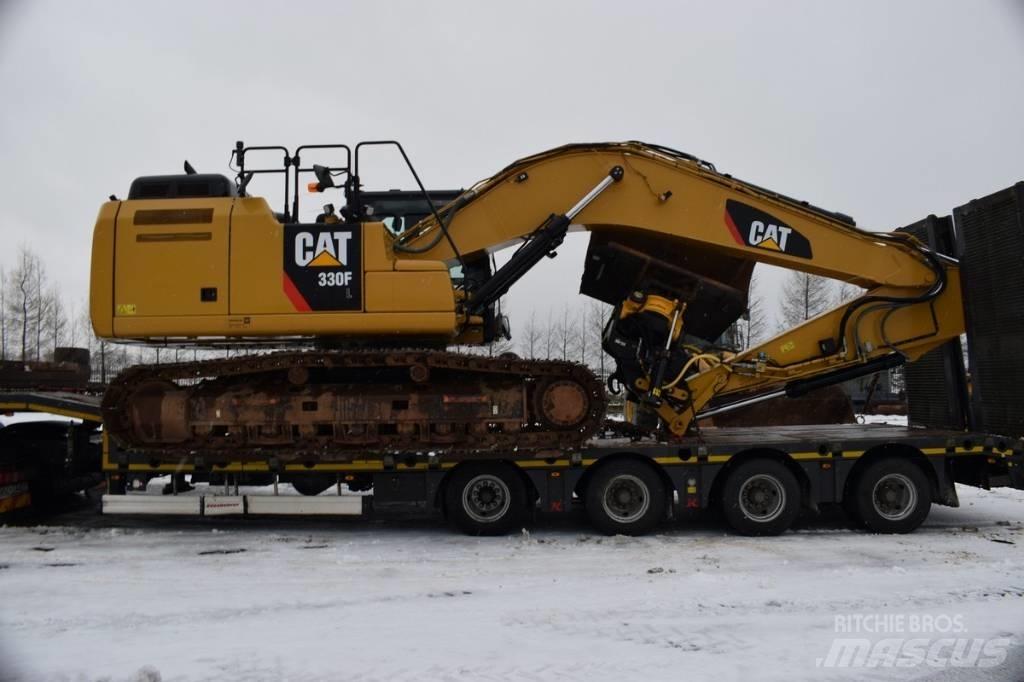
x=401, y=209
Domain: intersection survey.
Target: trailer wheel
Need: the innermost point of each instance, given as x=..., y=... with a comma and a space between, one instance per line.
x=761, y=497
x=312, y=485
x=892, y=496
x=625, y=497
x=849, y=505
x=486, y=498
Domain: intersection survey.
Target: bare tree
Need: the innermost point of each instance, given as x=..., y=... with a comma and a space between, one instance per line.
x=566, y=334
x=846, y=292
x=755, y=324
x=103, y=348
x=99, y=355
x=549, y=337
x=597, y=317
x=30, y=310
x=41, y=311
x=804, y=296
x=57, y=321
x=581, y=334
x=531, y=338
x=22, y=303
x=81, y=327
x=3, y=314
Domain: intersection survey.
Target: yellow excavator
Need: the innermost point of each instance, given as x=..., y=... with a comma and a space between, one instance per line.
x=366, y=300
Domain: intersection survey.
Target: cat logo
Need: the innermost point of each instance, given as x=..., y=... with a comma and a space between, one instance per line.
x=322, y=250
x=753, y=227
x=322, y=268
x=770, y=236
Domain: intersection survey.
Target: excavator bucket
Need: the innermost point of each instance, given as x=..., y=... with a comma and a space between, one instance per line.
x=713, y=285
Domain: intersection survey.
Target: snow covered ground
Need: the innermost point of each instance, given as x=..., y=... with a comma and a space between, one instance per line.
x=304, y=599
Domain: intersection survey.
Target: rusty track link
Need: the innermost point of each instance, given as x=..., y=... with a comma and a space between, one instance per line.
x=334, y=406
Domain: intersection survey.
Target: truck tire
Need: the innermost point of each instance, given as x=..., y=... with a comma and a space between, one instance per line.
x=892, y=496
x=486, y=498
x=313, y=484
x=761, y=497
x=849, y=506
x=625, y=497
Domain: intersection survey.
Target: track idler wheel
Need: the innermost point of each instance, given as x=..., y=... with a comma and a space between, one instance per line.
x=561, y=404
x=158, y=412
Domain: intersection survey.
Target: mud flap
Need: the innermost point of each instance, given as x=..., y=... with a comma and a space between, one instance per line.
x=945, y=484
x=1015, y=470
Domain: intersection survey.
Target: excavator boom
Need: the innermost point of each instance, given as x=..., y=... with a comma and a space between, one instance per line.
x=672, y=226
x=674, y=196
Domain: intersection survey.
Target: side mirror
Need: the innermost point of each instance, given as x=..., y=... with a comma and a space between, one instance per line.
x=504, y=328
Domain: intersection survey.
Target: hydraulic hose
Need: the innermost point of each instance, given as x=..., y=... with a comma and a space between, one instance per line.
x=689, y=363
x=459, y=202
x=937, y=288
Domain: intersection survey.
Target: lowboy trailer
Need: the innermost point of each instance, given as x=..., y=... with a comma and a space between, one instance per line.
x=760, y=478
x=885, y=477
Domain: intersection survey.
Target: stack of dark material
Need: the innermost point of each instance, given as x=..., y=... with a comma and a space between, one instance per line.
x=69, y=369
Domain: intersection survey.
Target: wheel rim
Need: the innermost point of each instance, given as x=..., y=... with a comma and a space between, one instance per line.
x=894, y=497
x=762, y=498
x=486, y=498
x=626, y=498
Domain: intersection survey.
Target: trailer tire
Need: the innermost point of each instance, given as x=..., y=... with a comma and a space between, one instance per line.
x=625, y=497
x=761, y=497
x=312, y=485
x=486, y=498
x=892, y=496
x=849, y=505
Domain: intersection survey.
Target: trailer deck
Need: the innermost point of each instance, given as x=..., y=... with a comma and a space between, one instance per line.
x=76, y=405
x=811, y=443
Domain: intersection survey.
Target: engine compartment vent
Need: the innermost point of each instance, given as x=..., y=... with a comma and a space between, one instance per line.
x=196, y=185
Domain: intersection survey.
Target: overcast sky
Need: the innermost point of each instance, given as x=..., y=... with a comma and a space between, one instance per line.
x=887, y=111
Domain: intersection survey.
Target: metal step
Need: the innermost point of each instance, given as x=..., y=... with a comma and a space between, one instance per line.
x=233, y=505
